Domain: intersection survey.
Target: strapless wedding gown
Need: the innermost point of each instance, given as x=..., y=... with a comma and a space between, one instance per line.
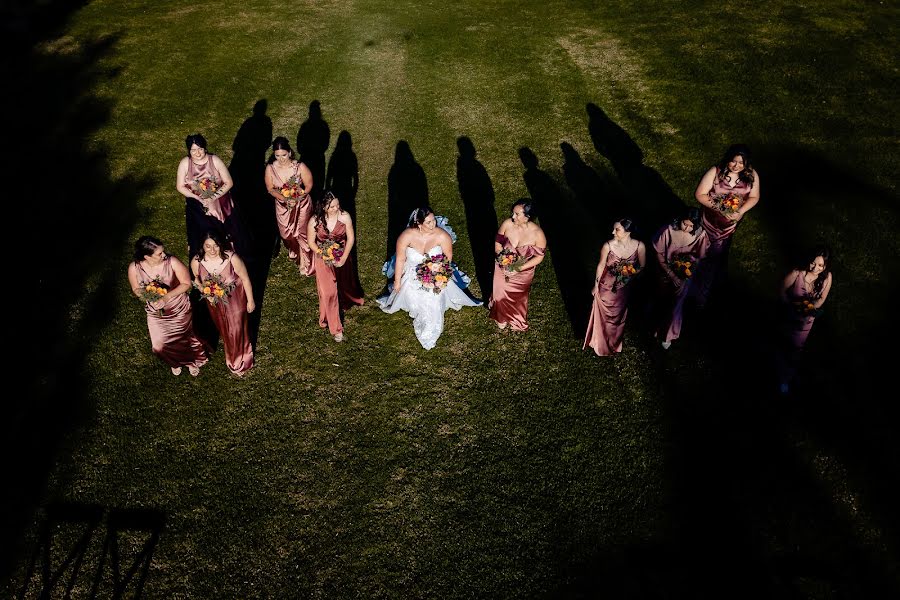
x=424, y=306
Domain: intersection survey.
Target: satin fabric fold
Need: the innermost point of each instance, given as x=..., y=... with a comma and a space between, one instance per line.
x=292, y=224
x=231, y=321
x=606, y=327
x=509, y=298
x=338, y=287
x=671, y=299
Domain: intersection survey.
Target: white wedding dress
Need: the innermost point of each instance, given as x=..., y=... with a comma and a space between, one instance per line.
x=424, y=306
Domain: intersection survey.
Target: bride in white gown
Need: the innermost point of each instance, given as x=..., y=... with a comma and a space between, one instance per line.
x=426, y=308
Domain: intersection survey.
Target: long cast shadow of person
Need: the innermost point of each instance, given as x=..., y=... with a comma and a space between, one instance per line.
x=247, y=168
x=600, y=198
x=477, y=194
x=559, y=218
x=342, y=178
x=652, y=200
x=313, y=139
x=407, y=191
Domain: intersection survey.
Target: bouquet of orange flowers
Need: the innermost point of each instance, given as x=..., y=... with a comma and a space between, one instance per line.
x=292, y=190
x=214, y=289
x=510, y=261
x=727, y=204
x=682, y=264
x=806, y=308
x=206, y=188
x=152, y=291
x=331, y=251
x=434, y=272
x=623, y=270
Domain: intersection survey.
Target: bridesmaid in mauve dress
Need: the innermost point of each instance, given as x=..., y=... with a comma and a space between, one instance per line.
x=685, y=241
x=509, y=299
x=229, y=317
x=214, y=212
x=168, y=318
x=292, y=214
x=734, y=176
x=337, y=283
x=606, y=327
x=804, y=291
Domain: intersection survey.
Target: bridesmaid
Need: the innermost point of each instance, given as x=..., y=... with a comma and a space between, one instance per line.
x=733, y=176
x=684, y=240
x=216, y=211
x=803, y=291
x=338, y=283
x=606, y=327
x=230, y=317
x=168, y=318
x=292, y=214
x=509, y=300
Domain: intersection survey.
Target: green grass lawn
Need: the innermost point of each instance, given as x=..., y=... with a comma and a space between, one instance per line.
x=495, y=465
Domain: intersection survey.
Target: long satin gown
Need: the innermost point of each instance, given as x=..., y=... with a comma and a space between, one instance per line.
x=221, y=215
x=172, y=333
x=292, y=223
x=424, y=306
x=671, y=300
x=606, y=327
x=509, y=299
x=231, y=320
x=799, y=325
x=338, y=287
x=720, y=230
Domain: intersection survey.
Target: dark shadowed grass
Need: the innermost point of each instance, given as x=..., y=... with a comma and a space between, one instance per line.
x=498, y=465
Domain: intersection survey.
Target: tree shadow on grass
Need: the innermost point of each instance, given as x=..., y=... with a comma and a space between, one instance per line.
x=248, y=169
x=72, y=269
x=70, y=556
x=477, y=194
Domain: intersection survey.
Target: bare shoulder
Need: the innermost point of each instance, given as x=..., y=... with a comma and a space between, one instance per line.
x=443, y=236
x=505, y=224
x=344, y=217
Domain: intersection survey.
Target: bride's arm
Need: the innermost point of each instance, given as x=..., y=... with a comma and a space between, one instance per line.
x=400, y=253
x=446, y=245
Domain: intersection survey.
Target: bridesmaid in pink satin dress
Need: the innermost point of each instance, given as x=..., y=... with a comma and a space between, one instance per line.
x=229, y=317
x=169, y=318
x=803, y=291
x=606, y=327
x=733, y=176
x=292, y=215
x=684, y=240
x=509, y=299
x=338, y=283
x=216, y=212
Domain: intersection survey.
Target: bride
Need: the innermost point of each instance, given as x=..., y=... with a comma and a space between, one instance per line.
x=423, y=237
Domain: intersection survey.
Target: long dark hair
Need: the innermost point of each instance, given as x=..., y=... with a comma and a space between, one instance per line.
x=737, y=150
x=145, y=246
x=819, y=283
x=220, y=240
x=526, y=205
x=322, y=204
x=195, y=138
x=419, y=215
x=691, y=214
x=280, y=143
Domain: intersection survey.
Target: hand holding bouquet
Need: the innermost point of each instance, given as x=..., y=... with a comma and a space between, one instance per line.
x=206, y=189
x=434, y=272
x=292, y=190
x=331, y=251
x=682, y=265
x=623, y=270
x=510, y=261
x=214, y=289
x=727, y=204
x=806, y=308
x=153, y=291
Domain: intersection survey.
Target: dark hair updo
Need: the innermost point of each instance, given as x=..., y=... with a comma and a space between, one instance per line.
x=281, y=143
x=526, y=204
x=145, y=246
x=419, y=215
x=195, y=138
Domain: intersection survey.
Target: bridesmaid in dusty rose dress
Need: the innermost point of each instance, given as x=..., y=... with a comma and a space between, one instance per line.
x=679, y=247
x=734, y=177
x=803, y=291
x=168, y=318
x=337, y=282
x=230, y=317
x=205, y=209
x=606, y=327
x=509, y=299
x=291, y=213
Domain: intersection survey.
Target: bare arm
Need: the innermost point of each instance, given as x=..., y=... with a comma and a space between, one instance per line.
x=787, y=283
x=311, y=234
x=241, y=269
x=195, y=269
x=446, y=245
x=825, y=289
x=274, y=191
x=642, y=255
x=227, y=182
x=351, y=238
x=502, y=231
x=541, y=242
x=400, y=258
x=601, y=266
x=306, y=178
x=133, y=279
x=752, y=198
x=182, y=188
x=705, y=185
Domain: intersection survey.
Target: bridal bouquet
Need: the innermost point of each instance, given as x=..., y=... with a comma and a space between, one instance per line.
x=434, y=272
x=727, y=204
x=331, y=251
x=510, y=261
x=682, y=264
x=806, y=308
x=214, y=289
x=206, y=188
x=152, y=291
x=623, y=270
x=292, y=190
